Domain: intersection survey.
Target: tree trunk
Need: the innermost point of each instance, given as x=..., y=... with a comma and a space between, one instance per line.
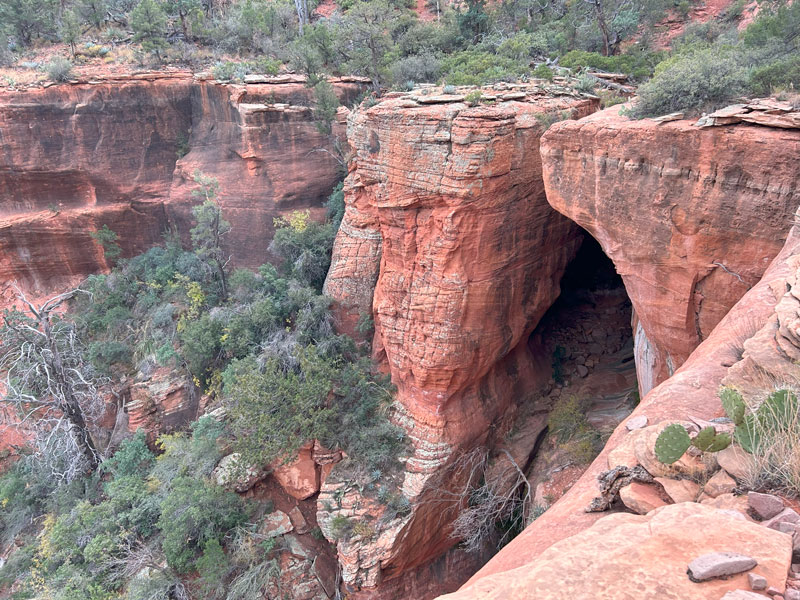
x=69, y=404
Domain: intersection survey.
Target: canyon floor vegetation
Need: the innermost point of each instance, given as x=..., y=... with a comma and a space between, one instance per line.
x=261, y=345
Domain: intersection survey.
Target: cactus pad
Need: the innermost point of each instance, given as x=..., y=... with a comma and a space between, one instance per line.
x=705, y=438
x=720, y=442
x=671, y=444
x=733, y=403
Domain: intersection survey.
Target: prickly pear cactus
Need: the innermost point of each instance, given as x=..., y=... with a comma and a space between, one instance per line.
x=733, y=403
x=671, y=444
x=720, y=442
x=705, y=438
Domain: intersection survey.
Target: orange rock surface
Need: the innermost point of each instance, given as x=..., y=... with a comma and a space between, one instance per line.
x=447, y=221
x=753, y=344
x=122, y=153
x=690, y=217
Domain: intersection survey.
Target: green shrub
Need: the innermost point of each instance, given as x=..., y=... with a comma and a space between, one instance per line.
x=193, y=514
x=702, y=79
x=542, y=71
x=59, y=69
x=639, y=65
x=777, y=75
x=474, y=67
x=473, y=98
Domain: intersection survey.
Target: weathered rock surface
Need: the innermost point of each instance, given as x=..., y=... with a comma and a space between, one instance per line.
x=446, y=219
x=122, y=154
x=747, y=344
x=624, y=556
x=689, y=225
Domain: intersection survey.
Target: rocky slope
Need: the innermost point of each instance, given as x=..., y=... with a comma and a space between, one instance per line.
x=448, y=242
x=689, y=224
x=753, y=347
x=122, y=152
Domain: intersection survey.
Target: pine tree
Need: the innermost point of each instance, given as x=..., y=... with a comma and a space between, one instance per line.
x=149, y=25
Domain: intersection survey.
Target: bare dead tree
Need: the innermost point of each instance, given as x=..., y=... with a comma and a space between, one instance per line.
x=50, y=387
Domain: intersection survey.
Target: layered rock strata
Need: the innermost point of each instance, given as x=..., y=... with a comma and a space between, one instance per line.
x=449, y=244
x=123, y=152
x=690, y=216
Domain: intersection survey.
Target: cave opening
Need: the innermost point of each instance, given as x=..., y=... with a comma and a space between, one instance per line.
x=586, y=341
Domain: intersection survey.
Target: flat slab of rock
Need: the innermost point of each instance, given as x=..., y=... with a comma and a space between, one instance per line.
x=742, y=595
x=719, y=564
x=764, y=506
x=628, y=556
x=736, y=462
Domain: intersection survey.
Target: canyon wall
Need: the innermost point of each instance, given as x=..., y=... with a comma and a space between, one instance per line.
x=449, y=244
x=690, y=216
x=122, y=153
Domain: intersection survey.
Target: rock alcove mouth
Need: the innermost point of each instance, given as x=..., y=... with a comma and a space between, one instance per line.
x=586, y=339
x=587, y=336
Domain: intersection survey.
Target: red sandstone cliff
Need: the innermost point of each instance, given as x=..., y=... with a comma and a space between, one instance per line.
x=449, y=243
x=122, y=153
x=690, y=216
x=691, y=204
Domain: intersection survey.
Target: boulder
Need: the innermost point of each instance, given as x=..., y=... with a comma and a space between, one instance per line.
x=275, y=524
x=736, y=462
x=757, y=582
x=227, y=474
x=300, y=477
x=787, y=515
x=641, y=498
x=764, y=506
x=680, y=490
x=720, y=483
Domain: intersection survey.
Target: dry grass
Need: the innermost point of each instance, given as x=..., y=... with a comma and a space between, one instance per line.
x=776, y=459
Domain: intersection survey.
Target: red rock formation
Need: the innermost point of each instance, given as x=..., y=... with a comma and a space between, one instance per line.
x=76, y=157
x=754, y=345
x=689, y=223
x=446, y=218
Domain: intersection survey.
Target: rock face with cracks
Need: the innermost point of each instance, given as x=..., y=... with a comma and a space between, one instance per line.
x=122, y=153
x=689, y=224
x=449, y=244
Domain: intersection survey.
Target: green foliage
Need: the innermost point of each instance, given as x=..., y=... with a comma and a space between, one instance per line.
x=108, y=240
x=192, y=515
x=335, y=206
x=473, y=98
x=638, y=64
x=733, y=404
x=304, y=248
x=70, y=30
x=326, y=104
x=149, y=24
x=672, y=443
x=542, y=71
x=59, y=69
x=475, y=67
x=28, y=19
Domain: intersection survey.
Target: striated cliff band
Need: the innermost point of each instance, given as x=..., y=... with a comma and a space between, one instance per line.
x=122, y=153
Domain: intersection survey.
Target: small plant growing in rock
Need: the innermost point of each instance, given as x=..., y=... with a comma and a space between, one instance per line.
x=449, y=89
x=586, y=84
x=473, y=98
